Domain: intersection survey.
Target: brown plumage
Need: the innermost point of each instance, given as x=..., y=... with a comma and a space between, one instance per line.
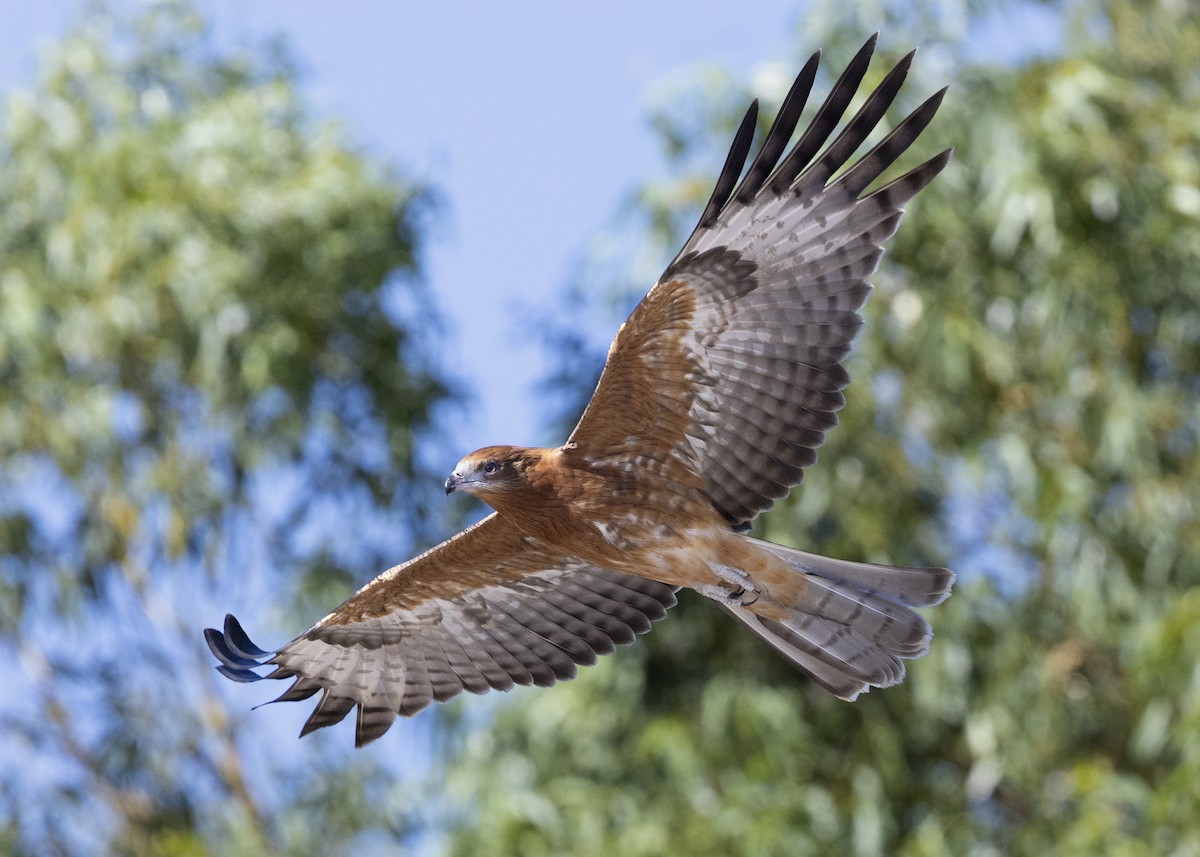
x=717, y=391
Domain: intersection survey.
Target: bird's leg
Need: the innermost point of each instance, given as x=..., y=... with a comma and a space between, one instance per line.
x=737, y=591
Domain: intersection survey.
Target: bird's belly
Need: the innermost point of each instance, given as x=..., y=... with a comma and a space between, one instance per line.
x=684, y=557
x=680, y=549
x=717, y=560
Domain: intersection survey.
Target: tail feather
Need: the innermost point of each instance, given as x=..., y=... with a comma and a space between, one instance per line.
x=852, y=624
x=839, y=646
x=916, y=587
x=803, y=655
x=887, y=624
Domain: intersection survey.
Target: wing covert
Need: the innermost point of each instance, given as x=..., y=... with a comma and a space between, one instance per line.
x=485, y=610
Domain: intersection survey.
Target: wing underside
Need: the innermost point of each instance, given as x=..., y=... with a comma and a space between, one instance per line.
x=741, y=343
x=388, y=654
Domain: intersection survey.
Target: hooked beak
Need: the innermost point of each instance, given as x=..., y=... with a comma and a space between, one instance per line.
x=453, y=482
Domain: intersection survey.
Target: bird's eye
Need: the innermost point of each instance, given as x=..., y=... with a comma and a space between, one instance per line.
x=490, y=467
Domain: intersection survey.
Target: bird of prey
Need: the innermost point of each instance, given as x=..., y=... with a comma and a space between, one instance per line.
x=715, y=395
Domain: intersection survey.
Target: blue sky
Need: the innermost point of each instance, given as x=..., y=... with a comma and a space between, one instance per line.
x=529, y=118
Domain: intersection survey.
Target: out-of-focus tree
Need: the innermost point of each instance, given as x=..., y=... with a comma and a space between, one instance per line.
x=214, y=353
x=1026, y=408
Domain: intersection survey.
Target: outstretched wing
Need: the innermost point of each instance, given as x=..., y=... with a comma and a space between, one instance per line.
x=730, y=372
x=487, y=609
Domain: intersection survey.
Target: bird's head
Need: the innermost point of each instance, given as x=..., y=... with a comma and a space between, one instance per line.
x=487, y=470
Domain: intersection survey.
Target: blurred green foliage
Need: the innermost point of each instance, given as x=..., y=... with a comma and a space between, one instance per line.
x=181, y=246
x=206, y=371
x=1027, y=408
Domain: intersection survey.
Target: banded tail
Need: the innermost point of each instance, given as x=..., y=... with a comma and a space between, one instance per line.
x=853, y=627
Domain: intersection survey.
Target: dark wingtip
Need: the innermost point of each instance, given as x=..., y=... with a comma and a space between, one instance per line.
x=215, y=641
x=242, y=676
x=864, y=54
x=239, y=640
x=734, y=162
x=219, y=646
x=309, y=727
x=827, y=118
x=238, y=656
x=921, y=176
x=867, y=50
x=936, y=98
x=780, y=132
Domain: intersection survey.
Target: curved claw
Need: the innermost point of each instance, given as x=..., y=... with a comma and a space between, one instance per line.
x=738, y=590
x=728, y=596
